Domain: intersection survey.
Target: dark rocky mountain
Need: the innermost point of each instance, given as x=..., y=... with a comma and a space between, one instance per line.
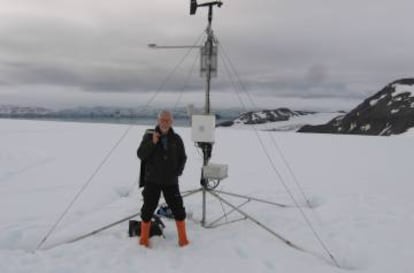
x=263, y=116
x=388, y=112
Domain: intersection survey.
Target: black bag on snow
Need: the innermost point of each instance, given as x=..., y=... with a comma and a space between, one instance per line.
x=157, y=227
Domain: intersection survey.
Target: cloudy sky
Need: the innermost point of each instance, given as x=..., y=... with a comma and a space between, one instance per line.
x=297, y=53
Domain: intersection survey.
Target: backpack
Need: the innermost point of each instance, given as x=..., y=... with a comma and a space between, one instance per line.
x=165, y=211
x=156, y=229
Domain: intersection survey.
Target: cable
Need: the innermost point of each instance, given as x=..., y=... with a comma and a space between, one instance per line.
x=274, y=166
x=272, y=137
x=100, y=165
x=85, y=185
x=164, y=82
x=180, y=62
x=186, y=83
x=274, y=142
x=108, y=155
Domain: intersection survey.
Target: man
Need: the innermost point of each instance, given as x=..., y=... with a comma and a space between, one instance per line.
x=163, y=159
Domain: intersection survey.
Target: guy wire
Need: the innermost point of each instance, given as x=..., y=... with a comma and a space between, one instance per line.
x=163, y=83
x=110, y=152
x=271, y=161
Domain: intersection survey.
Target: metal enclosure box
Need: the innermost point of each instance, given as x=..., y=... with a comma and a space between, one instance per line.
x=215, y=171
x=203, y=128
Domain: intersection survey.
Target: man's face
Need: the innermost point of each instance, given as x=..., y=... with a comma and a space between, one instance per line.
x=165, y=122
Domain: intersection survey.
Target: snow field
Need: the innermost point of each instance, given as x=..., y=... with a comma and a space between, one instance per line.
x=360, y=188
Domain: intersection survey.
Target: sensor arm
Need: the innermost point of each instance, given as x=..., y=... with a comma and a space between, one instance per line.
x=218, y=3
x=155, y=46
x=194, y=5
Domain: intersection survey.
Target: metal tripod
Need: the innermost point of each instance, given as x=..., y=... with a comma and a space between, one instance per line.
x=209, y=69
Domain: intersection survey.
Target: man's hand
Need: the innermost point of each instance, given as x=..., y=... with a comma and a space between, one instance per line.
x=155, y=137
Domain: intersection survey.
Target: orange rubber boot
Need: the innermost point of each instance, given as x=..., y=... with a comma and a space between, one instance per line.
x=145, y=232
x=182, y=234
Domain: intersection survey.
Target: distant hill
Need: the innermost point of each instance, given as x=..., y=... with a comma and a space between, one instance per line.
x=15, y=111
x=390, y=111
x=264, y=116
x=22, y=111
x=138, y=115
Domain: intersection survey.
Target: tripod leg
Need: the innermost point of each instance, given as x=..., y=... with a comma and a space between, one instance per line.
x=253, y=198
x=203, y=217
x=212, y=224
x=190, y=192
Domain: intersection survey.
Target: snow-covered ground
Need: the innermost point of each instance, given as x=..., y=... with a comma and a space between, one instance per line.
x=293, y=124
x=360, y=187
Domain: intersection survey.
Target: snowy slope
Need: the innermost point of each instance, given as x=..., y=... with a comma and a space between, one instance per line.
x=290, y=125
x=361, y=189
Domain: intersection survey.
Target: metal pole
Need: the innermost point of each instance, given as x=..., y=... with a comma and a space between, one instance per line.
x=204, y=211
x=209, y=47
x=206, y=153
x=206, y=149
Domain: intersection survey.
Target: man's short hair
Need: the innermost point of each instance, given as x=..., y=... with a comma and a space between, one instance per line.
x=165, y=112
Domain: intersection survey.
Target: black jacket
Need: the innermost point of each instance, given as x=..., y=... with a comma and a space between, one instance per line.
x=163, y=162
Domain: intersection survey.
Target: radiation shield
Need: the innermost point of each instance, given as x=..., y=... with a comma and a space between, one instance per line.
x=208, y=61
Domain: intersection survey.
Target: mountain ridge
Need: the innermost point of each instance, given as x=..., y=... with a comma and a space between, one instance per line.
x=390, y=111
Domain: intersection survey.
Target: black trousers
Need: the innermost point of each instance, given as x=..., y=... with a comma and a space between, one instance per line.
x=152, y=194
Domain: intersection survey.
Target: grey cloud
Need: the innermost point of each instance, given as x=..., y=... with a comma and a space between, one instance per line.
x=298, y=48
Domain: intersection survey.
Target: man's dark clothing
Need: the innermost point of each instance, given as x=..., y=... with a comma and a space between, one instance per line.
x=151, y=194
x=161, y=164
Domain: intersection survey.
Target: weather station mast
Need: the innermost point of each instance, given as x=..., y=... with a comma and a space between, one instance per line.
x=203, y=126
x=209, y=51
x=203, y=134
